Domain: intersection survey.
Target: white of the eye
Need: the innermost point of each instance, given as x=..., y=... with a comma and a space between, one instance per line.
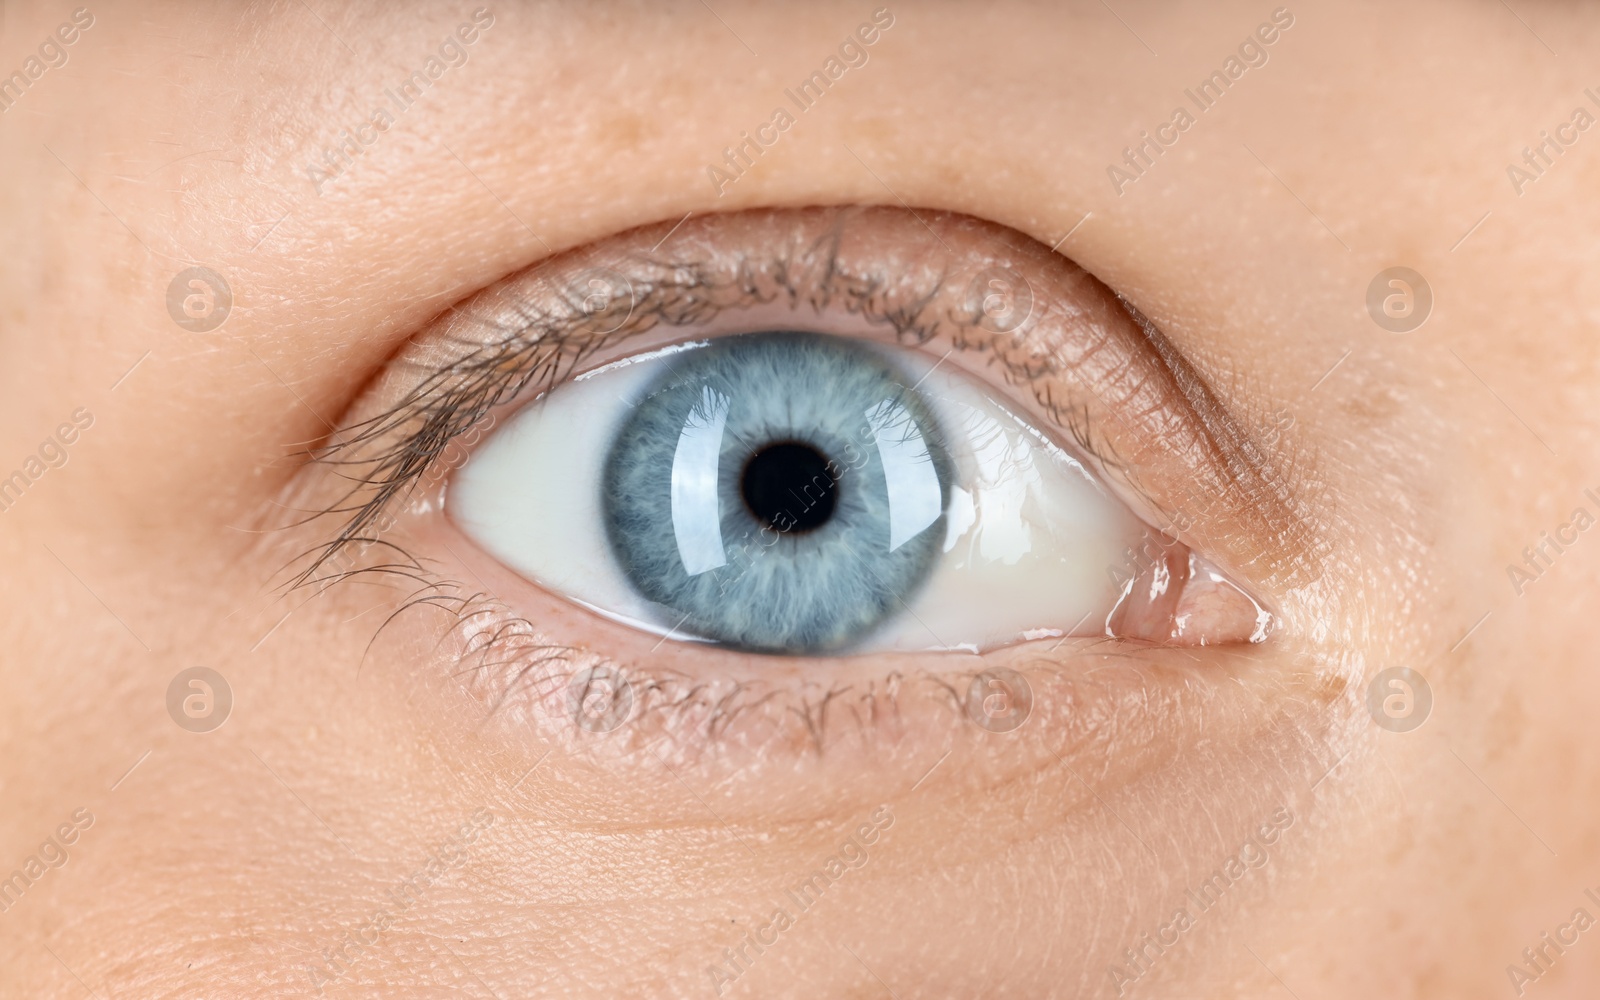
x=1031, y=542
x=962, y=514
x=1006, y=475
x=696, y=511
x=912, y=482
x=530, y=494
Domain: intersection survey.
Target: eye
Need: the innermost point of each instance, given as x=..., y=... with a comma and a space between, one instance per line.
x=804, y=493
x=796, y=492
x=805, y=433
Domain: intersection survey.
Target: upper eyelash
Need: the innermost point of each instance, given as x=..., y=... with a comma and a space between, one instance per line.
x=543, y=338
x=545, y=345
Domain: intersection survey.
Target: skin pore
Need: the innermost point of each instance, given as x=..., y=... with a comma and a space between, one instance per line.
x=511, y=853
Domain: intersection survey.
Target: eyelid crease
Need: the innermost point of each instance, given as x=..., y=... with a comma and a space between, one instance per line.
x=1095, y=365
x=1265, y=487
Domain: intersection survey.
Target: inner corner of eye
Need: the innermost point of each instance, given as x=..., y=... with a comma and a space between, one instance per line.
x=798, y=493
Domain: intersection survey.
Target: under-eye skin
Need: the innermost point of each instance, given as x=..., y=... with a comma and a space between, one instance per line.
x=829, y=295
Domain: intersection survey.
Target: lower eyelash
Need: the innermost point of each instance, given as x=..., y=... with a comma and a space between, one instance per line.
x=519, y=677
x=510, y=668
x=1088, y=696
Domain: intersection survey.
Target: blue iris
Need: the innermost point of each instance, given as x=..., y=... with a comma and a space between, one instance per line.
x=778, y=492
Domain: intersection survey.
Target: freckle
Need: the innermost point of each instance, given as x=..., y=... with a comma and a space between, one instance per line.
x=955, y=176
x=622, y=131
x=1400, y=846
x=1331, y=688
x=1507, y=727
x=1376, y=406
x=877, y=128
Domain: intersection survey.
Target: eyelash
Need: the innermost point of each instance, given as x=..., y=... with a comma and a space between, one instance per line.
x=468, y=368
x=547, y=348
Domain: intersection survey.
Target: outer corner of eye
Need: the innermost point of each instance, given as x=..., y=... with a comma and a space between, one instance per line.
x=802, y=493
x=1174, y=596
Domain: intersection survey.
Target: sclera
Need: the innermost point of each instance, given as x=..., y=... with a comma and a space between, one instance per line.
x=1032, y=543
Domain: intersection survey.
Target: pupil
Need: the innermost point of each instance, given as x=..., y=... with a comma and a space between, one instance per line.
x=788, y=486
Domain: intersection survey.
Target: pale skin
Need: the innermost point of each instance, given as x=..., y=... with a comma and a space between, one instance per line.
x=1420, y=466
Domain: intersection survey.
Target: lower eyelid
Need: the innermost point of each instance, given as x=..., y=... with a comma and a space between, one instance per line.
x=870, y=727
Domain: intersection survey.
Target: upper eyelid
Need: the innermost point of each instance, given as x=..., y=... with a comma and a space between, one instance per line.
x=533, y=329
x=553, y=335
